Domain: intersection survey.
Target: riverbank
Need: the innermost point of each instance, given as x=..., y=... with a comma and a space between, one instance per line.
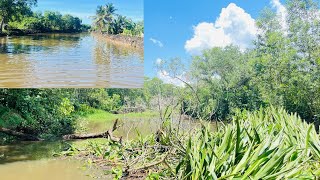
x=130, y=123
x=133, y=41
x=287, y=149
x=26, y=32
x=43, y=155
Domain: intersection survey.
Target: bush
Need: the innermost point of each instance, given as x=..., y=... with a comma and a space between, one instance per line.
x=33, y=23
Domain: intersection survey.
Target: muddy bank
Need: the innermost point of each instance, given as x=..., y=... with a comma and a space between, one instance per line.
x=136, y=42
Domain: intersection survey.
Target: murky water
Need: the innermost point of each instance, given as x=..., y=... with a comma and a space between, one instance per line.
x=68, y=60
x=130, y=128
x=35, y=160
x=44, y=170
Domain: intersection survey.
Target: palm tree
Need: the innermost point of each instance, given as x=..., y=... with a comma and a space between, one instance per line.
x=104, y=16
x=118, y=24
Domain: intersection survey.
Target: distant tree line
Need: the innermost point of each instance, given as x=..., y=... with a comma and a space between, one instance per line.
x=18, y=15
x=50, y=21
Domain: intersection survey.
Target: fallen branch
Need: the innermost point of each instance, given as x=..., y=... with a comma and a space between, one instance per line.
x=162, y=160
x=106, y=134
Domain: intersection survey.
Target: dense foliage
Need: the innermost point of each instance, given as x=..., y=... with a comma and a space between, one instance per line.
x=14, y=9
x=282, y=69
x=52, y=112
x=17, y=14
x=49, y=22
x=267, y=144
x=106, y=20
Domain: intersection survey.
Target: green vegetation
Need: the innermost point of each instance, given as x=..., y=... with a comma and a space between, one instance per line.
x=18, y=17
x=282, y=69
x=12, y=9
x=267, y=99
x=53, y=112
x=106, y=20
x=265, y=144
x=104, y=116
x=267, y=96
x=49, y=22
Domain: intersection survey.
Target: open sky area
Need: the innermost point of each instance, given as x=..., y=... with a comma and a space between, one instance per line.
x=184, y=28
x=84, y=9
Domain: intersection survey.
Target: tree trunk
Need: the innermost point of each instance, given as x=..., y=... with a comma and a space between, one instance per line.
x=1, y=24
x=20, y=135
x=106, y=134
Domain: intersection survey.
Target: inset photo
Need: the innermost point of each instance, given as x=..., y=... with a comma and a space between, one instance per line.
x=71, y=44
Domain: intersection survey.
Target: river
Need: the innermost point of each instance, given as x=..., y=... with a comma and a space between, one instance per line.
x=68, y=60
x=35, y=160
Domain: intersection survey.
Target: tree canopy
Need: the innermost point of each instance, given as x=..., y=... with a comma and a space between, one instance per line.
x=14, y=9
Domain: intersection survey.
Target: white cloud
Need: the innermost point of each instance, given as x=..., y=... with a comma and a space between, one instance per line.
x=157, y=42
x=166, y=78
x=234, y=26
x=281, y=12
x=159, y=61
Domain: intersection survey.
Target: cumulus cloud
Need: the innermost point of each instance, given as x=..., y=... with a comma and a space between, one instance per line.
x=233, y=26
x=281, y=12
x=166, y=78
x=156, y=42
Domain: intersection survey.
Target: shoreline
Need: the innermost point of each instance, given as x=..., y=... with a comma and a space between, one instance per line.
x=33, y=32
x=132, y=41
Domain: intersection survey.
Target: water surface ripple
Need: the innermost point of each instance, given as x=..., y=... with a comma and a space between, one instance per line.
x=68, y=60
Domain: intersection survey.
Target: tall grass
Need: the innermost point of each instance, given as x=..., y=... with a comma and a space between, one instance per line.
x=268, y=144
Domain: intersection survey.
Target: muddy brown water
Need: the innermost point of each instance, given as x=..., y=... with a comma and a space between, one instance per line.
x=35, y=160
x=68, y=60
x=45, y=170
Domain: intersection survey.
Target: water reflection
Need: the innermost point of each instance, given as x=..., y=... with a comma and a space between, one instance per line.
x=68, y=60
x=25, y=151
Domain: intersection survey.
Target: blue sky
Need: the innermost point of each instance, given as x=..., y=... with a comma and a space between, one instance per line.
x=170, y=24
x=86, y=8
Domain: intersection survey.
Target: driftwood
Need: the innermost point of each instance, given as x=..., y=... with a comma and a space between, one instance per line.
x=20, y=135
x=106, y=134
x=28, y=137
